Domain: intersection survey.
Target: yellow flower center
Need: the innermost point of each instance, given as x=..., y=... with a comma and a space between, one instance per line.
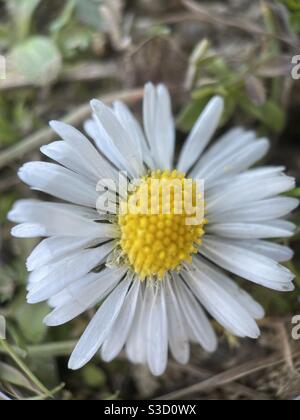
x=161, y=222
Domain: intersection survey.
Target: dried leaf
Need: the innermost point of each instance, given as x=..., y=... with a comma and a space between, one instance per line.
x=275, y=67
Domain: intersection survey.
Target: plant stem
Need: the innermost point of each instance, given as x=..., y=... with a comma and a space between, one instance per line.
x=8, y=349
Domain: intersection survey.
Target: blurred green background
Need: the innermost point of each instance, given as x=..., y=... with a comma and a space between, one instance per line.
x=61, y=54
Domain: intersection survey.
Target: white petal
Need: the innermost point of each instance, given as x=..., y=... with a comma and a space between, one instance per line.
x=27, y=210
x=87, y=157
x=201, y=328
x=178, y=339
x=53, y=249
x=134, y=129
x=248, y=264
x=74, y=290
x=165, y=128
x=59, y=182
x=37, y=275
x=59, y=220
x=119, y=138
x=258, y=211
x=99, y=327
x=261, y=172
x=83, y=295
x=59, y=299
x=279, y=253
x=238, y=161
x=28, y=230
x=120, y=330
x=255, y=174
x=243, y=298
x=273, y=229
x=136, y=346
x=63, y=153
x=233, y=140
x=236, y=194
x=96, y=131
x=222, y=305
x=150, y=114
x=201, y=134
x=157, y=334
x=61, y=274
x=159, y=124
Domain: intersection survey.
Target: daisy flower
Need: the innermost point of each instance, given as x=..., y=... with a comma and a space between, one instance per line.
x=154, y=278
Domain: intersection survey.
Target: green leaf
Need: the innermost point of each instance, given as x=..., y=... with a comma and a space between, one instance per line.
x=293, y=5
x=13, y=376
x=64, y=18
x=294, y=193
x=74, y=39
x=190, y=113
x=21, y=12
x=218, y=68
x=6, y=204
x=54, y=349
x=38, y=60
x=45, y=368
x=295, y=22
x=201, y=97
x=88, y=13
x=93, y=376
x=5, y=35
x=6, y=287
x=270, y=114
x=206, y=92
x=8, y=131
x=30, y=320
x=158, y=30
x=229, y=109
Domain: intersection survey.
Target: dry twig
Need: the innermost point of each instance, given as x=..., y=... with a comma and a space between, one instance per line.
x=228, y=376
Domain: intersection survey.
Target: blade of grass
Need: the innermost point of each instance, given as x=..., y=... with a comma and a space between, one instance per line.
x=60, y=349
x=52, y=393
x=19, y=362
